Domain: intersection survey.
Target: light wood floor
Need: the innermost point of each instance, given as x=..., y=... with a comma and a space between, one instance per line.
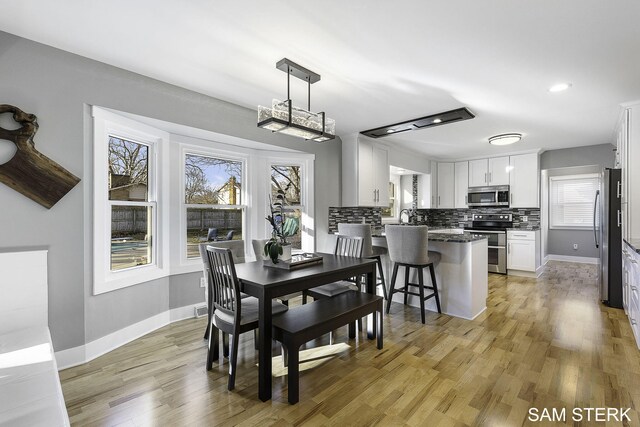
x=541, y=343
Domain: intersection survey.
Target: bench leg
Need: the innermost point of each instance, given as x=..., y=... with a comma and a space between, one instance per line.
x=293, y=373
x=225, y=345
x=285, y=355
x=352, y=330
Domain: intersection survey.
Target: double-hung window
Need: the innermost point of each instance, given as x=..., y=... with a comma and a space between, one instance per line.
x=129, y=243
x=571, y=204
x=214, y=199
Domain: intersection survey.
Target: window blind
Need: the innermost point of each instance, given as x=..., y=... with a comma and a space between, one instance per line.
x=572, y=198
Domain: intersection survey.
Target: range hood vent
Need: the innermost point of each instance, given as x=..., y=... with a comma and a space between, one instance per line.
x=421, y=123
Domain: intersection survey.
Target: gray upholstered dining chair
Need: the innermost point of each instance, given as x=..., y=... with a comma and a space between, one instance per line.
x=408, y=247
x=237, y=248
x=258, y=251
x=368, y=250
x=232, y=314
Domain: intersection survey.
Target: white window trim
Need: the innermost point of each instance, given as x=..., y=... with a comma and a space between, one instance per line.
x=186, y=149
x=105, y=124
x=551, y=202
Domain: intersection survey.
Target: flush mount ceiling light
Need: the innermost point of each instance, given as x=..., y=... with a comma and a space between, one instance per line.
x=283, y=117
x=505, y=138
x=421, y=123
x=559, y=87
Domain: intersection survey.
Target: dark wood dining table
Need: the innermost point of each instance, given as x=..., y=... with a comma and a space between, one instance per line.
x=266, y=283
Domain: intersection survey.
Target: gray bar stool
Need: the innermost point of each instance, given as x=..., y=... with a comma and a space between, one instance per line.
x=368, y=250
x=408, y=247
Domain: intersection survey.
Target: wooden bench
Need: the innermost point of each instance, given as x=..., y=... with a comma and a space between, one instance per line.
x=301, y=324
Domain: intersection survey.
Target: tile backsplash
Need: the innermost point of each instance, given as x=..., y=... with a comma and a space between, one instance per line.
x=436, y=218
x=454, y=218
x=355, y=215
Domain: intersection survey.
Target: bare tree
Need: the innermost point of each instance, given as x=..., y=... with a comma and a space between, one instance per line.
x=129, y=160
x=197, y=186
x=286, y=179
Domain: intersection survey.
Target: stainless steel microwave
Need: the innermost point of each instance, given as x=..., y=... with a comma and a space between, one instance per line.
x=497, y=195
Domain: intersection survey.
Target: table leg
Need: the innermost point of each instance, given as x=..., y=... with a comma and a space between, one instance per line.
x=264, y=357
x=371, y=288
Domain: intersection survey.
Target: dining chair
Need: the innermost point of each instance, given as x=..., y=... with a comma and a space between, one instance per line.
x=232, y=314
x=258, y=251
x=409, y=248
x=368, y=250
x=237, y=248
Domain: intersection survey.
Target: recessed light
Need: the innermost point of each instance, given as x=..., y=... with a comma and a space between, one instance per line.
x=559, y=87
x=437, y=121
x=505, y=138
x=391, y=130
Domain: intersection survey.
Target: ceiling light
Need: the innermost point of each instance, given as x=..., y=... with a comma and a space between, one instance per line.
x=437, y=119
x=505, y=138
x=283, y=117
x=559, y=87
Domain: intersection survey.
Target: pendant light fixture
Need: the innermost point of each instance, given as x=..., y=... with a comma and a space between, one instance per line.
x=505, y=139
x=283, y=117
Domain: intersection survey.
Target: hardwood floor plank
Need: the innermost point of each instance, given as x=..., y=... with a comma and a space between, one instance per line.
x=544, y=342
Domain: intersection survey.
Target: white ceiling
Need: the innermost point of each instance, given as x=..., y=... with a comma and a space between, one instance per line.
x=381, y=61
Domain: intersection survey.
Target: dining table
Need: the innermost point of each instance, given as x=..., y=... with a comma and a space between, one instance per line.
x=266, y=283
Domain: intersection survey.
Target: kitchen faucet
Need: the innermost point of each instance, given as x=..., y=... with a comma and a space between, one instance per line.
x=410, y=215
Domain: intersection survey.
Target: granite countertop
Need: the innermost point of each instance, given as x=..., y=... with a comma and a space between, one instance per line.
x=454, y=238
x=634, y=243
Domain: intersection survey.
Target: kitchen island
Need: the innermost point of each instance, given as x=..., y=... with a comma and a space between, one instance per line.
x=461, y=274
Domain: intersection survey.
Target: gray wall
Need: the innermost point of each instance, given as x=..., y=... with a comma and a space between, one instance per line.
x=58, y=87
x=572, y=161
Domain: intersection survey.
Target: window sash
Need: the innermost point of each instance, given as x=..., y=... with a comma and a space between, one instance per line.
x=571, y=201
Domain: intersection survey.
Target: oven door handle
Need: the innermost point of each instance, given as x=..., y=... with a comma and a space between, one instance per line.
x=485, y=232
x=497, y=247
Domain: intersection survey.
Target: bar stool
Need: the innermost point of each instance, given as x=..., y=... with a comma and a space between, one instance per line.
x=408, y=247
x=368, y=251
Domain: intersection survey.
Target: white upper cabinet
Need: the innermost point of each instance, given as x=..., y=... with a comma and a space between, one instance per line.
x=493, y=171
x=424, y=191
x=498, y=170
x=446, y=187
x=372, y=175
x=461, y=170
x=524, y=181
x=478, y=173
x=365, y=172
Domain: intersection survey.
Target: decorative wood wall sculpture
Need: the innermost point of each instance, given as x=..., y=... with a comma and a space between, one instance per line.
x=29, y=172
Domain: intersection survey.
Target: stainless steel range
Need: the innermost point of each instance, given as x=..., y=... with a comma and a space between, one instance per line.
x=494, y=228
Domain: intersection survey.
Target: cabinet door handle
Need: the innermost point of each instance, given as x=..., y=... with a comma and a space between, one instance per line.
x=374, y=196
x=619, y=189
x=490, y=177
x=509, y=248
x=510, y=198
x=519, y=235
x=438, y=201
x=485, y=178
x=633, y=288
x=465, y=200
x=633, y=261
x=619, y=218
x=633, y=321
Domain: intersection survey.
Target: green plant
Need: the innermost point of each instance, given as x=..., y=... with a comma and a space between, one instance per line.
x=281, y=227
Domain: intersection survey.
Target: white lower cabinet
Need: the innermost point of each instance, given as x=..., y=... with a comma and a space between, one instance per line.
x=631, y=288
x=523, y=252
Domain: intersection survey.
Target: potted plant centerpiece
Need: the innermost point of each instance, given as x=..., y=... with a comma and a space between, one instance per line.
x=281, y=227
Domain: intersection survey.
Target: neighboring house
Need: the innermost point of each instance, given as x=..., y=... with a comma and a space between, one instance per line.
x=120, y=188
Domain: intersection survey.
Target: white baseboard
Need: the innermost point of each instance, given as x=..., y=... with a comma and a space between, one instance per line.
x=82, y=354
x=568, y=258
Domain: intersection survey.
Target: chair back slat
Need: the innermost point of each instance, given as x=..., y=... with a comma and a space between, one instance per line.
x=223, y=281
x=349, y=246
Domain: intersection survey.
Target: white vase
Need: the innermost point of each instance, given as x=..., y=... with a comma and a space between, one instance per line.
x=286, y=253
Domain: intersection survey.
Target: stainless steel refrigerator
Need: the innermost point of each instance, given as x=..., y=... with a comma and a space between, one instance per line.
x=607, y=228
